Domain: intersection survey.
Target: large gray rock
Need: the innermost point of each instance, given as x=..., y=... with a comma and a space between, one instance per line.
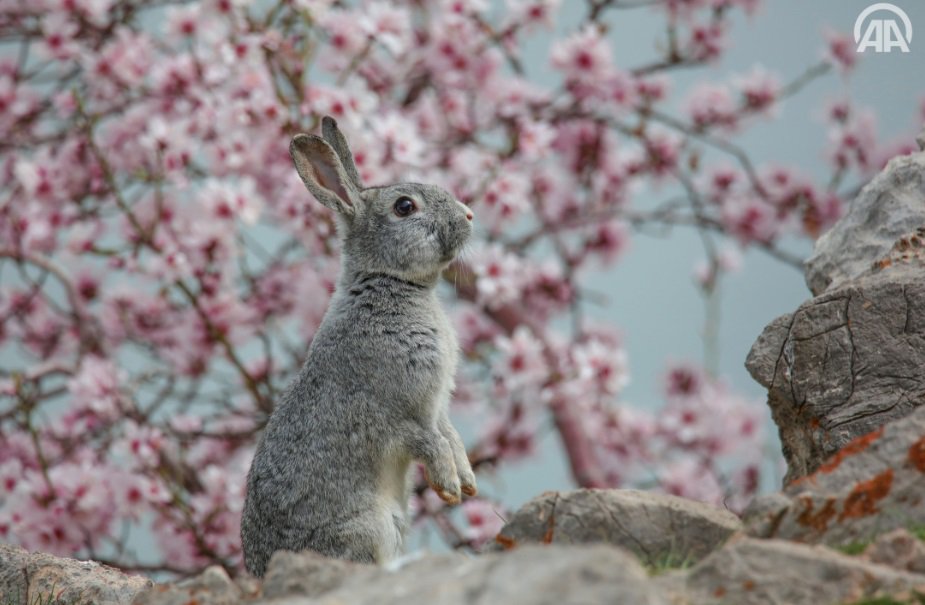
x=529, y=575
x=890, y=207
x=851, y=359
x=27, y=578
x=657, y=528
x=776, y=572
x=843, y=364
x=874, y=485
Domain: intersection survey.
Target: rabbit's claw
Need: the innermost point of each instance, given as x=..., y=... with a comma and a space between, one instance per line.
x=449, y=498
x=450, y=495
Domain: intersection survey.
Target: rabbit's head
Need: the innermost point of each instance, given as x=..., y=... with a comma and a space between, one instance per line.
x=408, y=230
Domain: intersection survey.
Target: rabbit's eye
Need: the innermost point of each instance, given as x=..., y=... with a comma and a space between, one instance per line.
x=404, y=206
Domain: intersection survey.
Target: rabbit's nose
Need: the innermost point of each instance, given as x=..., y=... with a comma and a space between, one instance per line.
x=469, y=215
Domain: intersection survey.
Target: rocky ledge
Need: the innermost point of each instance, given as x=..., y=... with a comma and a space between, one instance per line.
x=584, y=546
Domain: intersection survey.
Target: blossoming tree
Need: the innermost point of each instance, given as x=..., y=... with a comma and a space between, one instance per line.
x=162, y=269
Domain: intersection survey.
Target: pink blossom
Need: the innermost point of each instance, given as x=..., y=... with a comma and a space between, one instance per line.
x=854, y=140
x=78, y=512
x=59, y=31
x=228, y=201
x=142, y=445
x=547, y=289
x=521, y=362
x=759, y=89
x=533, y=12
x=710, y=105
x=750, y=220
x=535, y=139
x=652, y=88
x=505, y=198
x=603, y=363
x=484, y=520
x=704, y=415
x=511, y=434
x=841, y=50
x=400, y=139
x=688, y=478
x=465, y=7
x=96, y=387
x=707, y=41
x=473, y=328
x=662, y=149
x=629, y=435
x=584, y=56
x=722, y=180
x=500, y=276
x=183, y=21
x=387, y=24
x=685, y=8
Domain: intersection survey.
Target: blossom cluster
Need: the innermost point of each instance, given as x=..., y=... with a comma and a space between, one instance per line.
x=162, y=268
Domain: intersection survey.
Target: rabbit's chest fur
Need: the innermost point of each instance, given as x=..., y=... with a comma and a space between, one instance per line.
x=400, y=342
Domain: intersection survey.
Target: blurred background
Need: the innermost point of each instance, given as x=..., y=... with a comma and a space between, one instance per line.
x=654, y=298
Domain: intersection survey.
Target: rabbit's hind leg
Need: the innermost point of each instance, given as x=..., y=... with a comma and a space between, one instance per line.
x=371, y=537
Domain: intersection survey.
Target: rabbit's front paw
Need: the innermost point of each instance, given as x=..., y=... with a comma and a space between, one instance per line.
x=448, y=490
x=460, y=457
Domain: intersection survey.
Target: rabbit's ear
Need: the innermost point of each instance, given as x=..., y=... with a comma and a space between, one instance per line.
x=336, y=139
x=323, y=173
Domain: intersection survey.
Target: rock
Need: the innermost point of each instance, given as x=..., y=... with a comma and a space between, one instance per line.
x=843, y=364
x=211, y=587
x=891, y=206
x=529, y=575
x=14, y=562
x=776, y=572
x=657, y=528
x=38, y=578
x=873, y=485
x=899, y=549
x=248, y=585
x=850, y=359
x=307, y=574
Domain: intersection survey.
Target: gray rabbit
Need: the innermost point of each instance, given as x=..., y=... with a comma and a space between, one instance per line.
x=331, y=471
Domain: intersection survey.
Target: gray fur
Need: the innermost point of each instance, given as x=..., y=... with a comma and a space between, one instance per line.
x=331, y=471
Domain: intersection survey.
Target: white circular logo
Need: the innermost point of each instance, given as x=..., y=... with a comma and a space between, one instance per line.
x=883, y=34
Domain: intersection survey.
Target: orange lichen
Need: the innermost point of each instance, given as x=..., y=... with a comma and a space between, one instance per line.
x=550, y=529
x=748, y=585
x=917, y=455
x=855, y=446
x=720, y=592
x=505, y=542
x=862, y=501
x=820, y=520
